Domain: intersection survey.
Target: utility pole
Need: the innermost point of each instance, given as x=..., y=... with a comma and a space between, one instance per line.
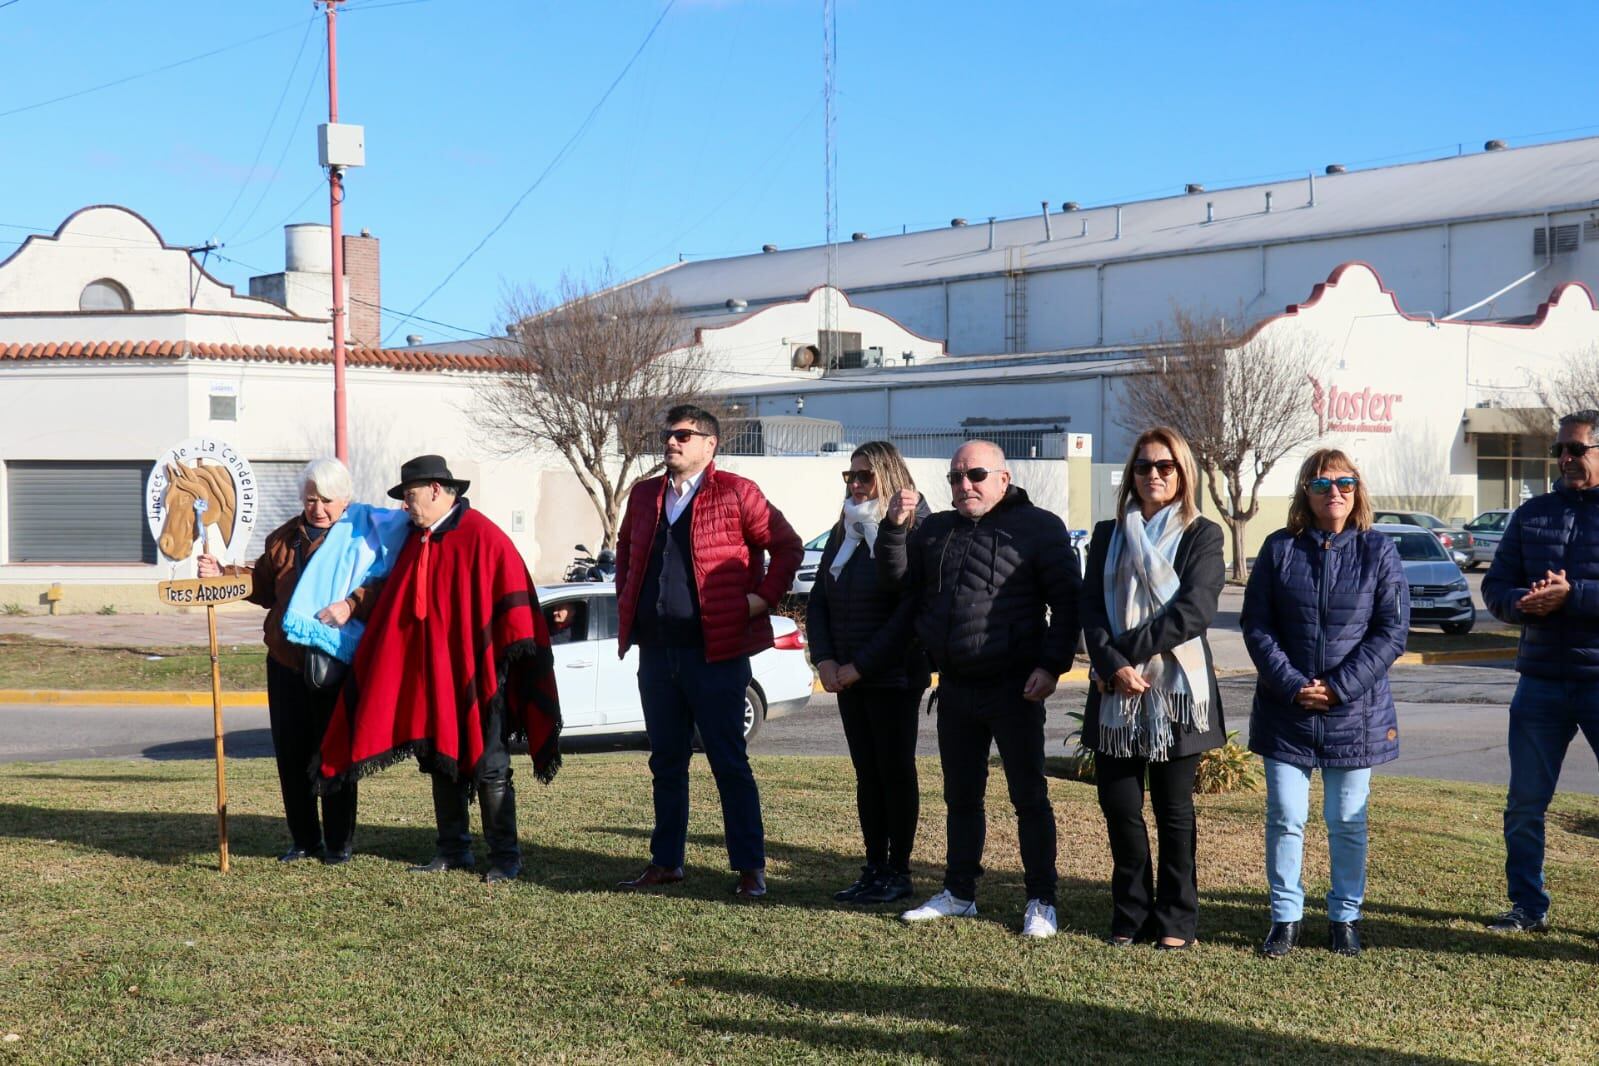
x=341, y=441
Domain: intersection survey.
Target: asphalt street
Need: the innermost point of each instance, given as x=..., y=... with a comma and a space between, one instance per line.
x=1452, y=722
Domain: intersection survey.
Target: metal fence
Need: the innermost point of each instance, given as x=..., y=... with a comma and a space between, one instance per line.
x=757, y=437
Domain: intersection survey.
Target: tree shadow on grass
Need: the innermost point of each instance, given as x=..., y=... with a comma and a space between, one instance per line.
x=965, y=1024
x=116, y=779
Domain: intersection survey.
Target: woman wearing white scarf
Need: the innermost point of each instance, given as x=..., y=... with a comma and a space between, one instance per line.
x=861, y=642
x=1150, y=591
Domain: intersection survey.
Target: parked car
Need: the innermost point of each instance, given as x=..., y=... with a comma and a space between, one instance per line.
x=1439, y=594
x=1486, y=529
x=599, y=692
x=805, y=576
x=1453, y=538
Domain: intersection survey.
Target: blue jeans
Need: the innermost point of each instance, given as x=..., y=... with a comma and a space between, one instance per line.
x=1544, y=717
x=1287, y=808
x=681, y=691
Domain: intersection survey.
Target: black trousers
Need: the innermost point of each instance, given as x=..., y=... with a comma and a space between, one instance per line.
x=491, y=780
x=971, y=720
x=1144, y=902
x=880, y=727
x=299, y=717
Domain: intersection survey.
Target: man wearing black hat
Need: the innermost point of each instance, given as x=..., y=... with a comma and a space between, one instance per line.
x=455, y=663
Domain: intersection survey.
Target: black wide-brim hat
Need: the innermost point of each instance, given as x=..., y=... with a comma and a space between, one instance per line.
x=426, y=468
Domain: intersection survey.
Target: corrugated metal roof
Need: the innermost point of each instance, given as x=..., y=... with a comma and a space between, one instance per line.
x=1510, y=182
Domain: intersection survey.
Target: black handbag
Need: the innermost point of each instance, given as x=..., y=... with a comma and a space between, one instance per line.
x=323, y=671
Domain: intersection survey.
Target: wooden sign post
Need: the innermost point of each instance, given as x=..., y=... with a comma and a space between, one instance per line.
x=202, y=498
x=211, y=591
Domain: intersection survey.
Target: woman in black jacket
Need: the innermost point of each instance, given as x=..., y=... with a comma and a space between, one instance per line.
x=1154, y=576
x=860, y=635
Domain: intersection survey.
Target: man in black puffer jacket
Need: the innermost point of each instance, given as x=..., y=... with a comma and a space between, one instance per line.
x=996, y=583
x=1545, y=578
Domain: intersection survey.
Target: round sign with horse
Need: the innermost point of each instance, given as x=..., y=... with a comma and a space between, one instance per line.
x=201, y=498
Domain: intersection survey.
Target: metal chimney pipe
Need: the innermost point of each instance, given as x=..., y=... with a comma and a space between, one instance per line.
x=1311, y=177
x=1048, y=233
x=991, y=233
x=1268, y=201
x=1118, y=223
x=1210, y=210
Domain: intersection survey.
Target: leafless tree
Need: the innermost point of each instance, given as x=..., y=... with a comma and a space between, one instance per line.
x=588, y=377
x=1242, y=403
x=1572, y=386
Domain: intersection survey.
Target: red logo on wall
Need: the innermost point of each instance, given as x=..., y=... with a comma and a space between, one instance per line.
x=1346, y=411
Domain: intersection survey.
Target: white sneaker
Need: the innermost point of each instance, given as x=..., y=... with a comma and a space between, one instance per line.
x=1039, y=920
x=942, y=905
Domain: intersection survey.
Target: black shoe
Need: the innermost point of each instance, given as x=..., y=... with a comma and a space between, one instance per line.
x=890, y=888
x=337, y=857
x=502, y=874
x=440, y=863
x=1280, y=940
x=1516, y=920
x=1344, y=938
x=1181, y=945
x=301, y=854
x=864, y=883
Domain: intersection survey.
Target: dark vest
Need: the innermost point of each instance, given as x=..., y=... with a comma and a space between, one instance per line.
x=669, y=602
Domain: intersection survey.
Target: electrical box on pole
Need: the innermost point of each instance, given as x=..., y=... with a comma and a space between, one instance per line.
x=341, y=144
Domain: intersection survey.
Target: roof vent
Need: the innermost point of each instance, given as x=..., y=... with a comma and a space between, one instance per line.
x=1193, y=187
x=768, y=248
x=1336, y=168
x=1495, y=145
x=735, y=304
x=413, y=339
x=957, y=222
x=1070, y=205
x=857, y=236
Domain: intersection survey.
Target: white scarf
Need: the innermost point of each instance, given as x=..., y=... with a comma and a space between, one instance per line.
x=1140, y=580
x=860, y=523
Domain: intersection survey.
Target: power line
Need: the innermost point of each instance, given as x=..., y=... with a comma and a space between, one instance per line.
x=148, y=73
x=266, y=134
x=277, y=168
x=556, y=161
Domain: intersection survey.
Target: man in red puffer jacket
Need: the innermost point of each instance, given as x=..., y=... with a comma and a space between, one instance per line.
x=692, y=592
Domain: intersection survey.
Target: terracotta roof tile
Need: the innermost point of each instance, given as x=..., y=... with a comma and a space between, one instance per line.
x=393, y=358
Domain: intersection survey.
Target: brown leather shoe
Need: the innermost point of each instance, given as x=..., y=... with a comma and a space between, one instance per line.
x=751, y=884
x=653, y=877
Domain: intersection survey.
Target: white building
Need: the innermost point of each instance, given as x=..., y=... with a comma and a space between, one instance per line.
x=115, y=346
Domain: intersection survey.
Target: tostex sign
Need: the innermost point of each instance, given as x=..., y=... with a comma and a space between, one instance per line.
x=1344, y=410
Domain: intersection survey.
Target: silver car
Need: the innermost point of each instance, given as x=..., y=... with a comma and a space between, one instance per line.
x=1486, y=529
x=1439, y=594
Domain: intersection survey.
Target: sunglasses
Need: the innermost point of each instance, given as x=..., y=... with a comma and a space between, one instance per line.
x=975, y=474
x=682, y=436
x=864, y=477
x=1571, y=448
x=1142, y=467
x=1321, y=486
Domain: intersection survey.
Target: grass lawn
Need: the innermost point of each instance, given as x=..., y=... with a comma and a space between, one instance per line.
x=31, y=663
x=121, y=943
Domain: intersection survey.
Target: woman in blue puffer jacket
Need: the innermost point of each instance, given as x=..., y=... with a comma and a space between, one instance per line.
x=1325, y=615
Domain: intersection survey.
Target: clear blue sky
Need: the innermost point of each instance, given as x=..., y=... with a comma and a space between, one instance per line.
x=712, y=143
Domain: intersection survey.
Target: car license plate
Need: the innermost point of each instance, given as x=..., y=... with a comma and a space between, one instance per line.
x=1421, y=605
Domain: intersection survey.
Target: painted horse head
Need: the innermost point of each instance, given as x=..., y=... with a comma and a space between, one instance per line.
x=210, y=486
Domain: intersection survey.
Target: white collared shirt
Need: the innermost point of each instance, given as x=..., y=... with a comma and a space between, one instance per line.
x=675, y=500
x=434, y=528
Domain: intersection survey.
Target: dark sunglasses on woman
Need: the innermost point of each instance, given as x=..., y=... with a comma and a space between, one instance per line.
x=1575, y=449
x=976, y=475
x=865, y=477
x=1142, y=467
x=682, y=436
x=1321, y=486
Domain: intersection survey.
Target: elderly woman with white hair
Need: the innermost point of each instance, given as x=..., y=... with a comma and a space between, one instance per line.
x=299, y=710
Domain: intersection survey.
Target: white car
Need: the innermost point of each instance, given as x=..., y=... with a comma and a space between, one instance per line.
x=599, y=692
x=805, y=576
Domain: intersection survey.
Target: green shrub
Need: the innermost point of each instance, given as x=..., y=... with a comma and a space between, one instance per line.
x=1229, y=768
x=109, y=608
x=14, y=609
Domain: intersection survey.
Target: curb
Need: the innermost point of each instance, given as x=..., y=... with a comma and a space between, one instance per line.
x=1444, y=658
x=124, y=697
x=1078, y=673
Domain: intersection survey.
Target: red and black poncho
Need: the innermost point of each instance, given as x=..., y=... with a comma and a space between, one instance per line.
x=456, y=635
